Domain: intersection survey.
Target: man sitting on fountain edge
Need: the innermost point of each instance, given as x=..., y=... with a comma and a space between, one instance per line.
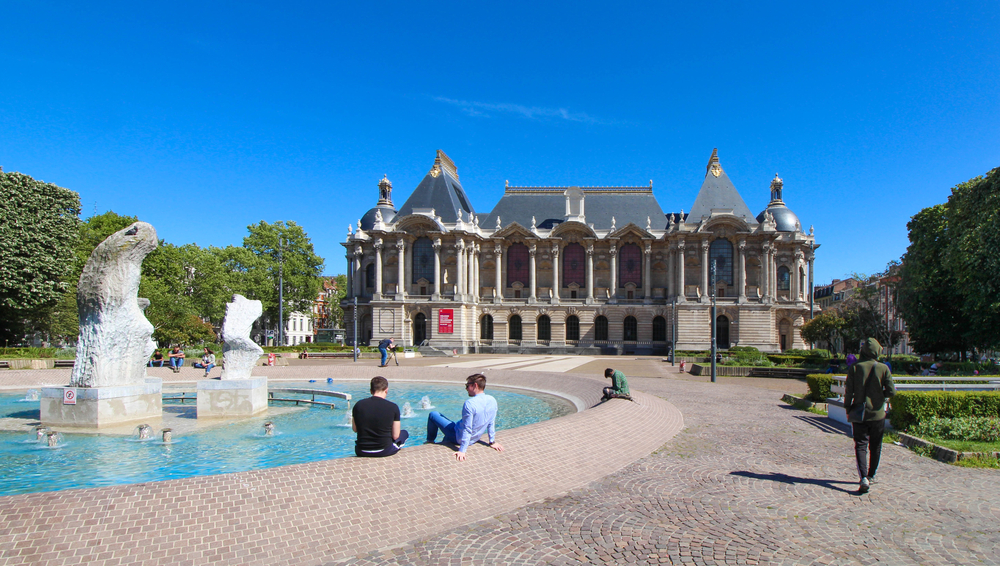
x=479, y=416
x=376, y=420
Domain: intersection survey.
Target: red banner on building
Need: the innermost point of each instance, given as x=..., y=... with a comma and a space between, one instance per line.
x=446, y=321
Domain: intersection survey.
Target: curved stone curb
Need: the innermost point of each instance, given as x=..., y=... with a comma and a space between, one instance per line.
x=311, y=513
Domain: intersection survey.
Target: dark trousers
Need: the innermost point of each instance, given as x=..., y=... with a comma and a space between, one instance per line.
x=868, y=446
x=392, y=449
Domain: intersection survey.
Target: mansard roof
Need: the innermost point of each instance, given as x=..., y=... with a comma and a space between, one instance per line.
x=718, y=192
x=440, y=190
x=548, y=206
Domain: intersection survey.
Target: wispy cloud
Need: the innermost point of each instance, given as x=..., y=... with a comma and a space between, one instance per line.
x=486, y=109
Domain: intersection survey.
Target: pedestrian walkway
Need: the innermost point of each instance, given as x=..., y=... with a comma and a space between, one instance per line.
x=525, y=363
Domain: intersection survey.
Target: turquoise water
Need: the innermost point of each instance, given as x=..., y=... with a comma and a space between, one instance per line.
x=307, y=435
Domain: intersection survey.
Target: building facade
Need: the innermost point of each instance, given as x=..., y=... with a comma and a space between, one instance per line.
x=577, y=269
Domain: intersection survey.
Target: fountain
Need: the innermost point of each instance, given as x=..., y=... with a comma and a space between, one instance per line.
x=143, y=432
x=32, y=395
x=425, y=403
x=268, y=428
x=108, y=385
x=236, y=393
x=167, y=435
x=40, y=431
x=407, y=411
x=53, y=439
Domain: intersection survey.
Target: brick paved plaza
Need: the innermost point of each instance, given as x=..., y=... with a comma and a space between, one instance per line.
x=692, y=473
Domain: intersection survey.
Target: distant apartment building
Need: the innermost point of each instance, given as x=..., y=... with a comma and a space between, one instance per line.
x=833, y=294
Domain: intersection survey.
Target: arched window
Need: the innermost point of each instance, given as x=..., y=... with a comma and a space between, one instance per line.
x=722, y=332
x=574, y=265
x=601, y=328
x=514, y=328
x=783, y=278
x=370, y=276
x=631, y=328
x=572, y=328
x=659, y=329
x=544, y=327
x=486, y=327
x=630, y=265
x=721, y=251
x=423, y=260
x=517, y=264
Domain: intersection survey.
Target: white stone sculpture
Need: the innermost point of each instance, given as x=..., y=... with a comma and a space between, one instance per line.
x=649, y=223
x=115, y=337
x=378, y=216
x=612, y=223
x=239, y=352
x=533, y=224
x=498, y=222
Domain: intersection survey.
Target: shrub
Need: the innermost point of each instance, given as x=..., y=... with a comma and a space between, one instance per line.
x=743, y=349
x=819, y=386
x=910, y=408
x=976, y=429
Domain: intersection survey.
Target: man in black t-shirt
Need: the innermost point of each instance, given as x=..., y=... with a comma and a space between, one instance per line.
x=376, y=420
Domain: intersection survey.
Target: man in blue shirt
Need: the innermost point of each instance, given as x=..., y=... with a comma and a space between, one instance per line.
x=479, y=416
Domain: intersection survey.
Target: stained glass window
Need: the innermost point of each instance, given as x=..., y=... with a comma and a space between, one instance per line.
x=630, y=265
x=574, y=265
x=722, y=252
x=517, y=264
x=783, y=278
x=423, y=260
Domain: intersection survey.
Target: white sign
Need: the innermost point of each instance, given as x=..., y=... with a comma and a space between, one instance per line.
x=69, y=396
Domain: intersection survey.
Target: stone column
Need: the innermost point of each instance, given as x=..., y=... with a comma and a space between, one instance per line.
x=682, y=292
x=613, y=291
x=772, y=269
x=763, y=278
x=401, y=269
x=555, y=274
x=809, y=275
x=590, y=273
x=704, y=270
x=531, y=272
x=350, y=282
x=498, y=256
x=359, y=289
x=475, y=273
x=742, y=282
x=671, y=274
x=797, y=281
x=437, y=270
x=459, y=269
x=647, y=287
x=377, y=295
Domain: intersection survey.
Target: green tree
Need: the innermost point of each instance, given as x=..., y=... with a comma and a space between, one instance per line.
x=864, y=316
x=973, y=226
x=39, y=225
x=928, y=291
x=824, y=327
x=301, y=268
x=337, y=313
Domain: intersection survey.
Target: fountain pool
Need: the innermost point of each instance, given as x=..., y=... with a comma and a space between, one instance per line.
x=305, y=434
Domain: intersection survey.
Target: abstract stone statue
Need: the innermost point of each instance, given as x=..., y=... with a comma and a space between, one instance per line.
x=115, y=337
x=240, y=353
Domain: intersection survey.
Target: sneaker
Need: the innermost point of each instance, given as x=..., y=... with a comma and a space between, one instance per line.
x=864, y=486
x=872, y=480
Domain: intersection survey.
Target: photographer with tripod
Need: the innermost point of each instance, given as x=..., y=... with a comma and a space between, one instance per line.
x=383, y=347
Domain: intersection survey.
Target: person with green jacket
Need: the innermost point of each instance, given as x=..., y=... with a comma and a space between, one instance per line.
x=619, y=385
x=868, y=385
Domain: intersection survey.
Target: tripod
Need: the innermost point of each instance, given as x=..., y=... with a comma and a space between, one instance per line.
x=392, y=354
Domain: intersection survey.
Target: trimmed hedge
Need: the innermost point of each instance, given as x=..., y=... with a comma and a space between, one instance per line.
x=819, y=386
x=908, y=408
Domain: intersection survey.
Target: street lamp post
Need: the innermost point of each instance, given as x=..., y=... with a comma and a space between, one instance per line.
x=673, y=335
x=714, y=347
x=281, y=293
x=354, y=308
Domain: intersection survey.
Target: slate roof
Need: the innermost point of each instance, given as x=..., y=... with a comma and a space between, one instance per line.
x=718, y=192
x=440, y=190
x=548, y=206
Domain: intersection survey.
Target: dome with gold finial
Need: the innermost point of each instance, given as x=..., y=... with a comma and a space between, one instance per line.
x=784, y=219
x=384, y=205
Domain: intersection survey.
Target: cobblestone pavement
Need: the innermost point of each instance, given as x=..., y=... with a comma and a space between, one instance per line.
x=749, y=481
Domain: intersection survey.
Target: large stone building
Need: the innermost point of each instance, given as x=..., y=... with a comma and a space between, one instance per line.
x=577, y=269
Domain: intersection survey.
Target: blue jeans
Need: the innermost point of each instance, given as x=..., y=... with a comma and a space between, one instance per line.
x=176, y=362
x=199, y=365
x=156, y=363
x=435, y=422
x=385, y=354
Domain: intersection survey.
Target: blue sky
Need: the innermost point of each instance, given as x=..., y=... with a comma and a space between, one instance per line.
x=202, y=118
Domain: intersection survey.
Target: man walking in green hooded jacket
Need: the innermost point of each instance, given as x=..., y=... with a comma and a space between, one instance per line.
x=869, y=382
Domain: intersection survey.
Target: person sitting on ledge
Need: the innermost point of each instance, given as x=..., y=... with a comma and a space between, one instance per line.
x=176, y=359
x=207, y=361
x=479, y=416
x=619, y=386
x=157, y=360
x=376, y=420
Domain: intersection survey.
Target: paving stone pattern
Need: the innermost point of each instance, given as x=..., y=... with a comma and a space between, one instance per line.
x=749, y=481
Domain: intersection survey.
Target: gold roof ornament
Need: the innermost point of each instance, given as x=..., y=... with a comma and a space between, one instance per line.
x=713, y=166
x=776, y=186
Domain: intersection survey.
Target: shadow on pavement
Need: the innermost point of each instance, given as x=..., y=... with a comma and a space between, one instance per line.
x=825, y=424
x=792, y=480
